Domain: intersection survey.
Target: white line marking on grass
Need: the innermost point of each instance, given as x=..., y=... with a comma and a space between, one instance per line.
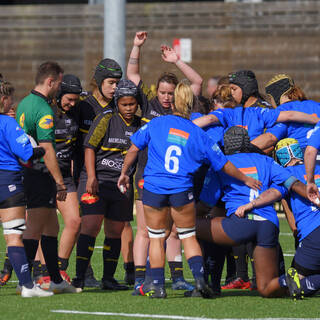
x=286, y=234
x=160, y=316
x=288, y=254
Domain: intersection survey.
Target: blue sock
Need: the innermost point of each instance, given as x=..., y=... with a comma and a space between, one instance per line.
x=157, y=275
x=196, y=266
x=18, y=258
x=310, y=285
x=282, y=281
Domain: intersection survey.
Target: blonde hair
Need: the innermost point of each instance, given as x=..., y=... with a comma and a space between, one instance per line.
x=183, y=100
x=6, y=90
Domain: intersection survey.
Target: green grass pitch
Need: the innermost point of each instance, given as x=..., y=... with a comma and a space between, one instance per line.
x=100, y=304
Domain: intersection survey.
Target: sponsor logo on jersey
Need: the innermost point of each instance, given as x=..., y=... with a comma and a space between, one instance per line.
x=88, y=198
x=46, y=122
x=112, y=163
x=141, y=183
x=21, y=120
x=178, y=136
x=250, y=172
x=23, y=139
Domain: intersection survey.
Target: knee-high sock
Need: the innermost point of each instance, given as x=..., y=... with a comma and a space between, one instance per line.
x=18, y=258
x=85, y=247
x=111, y=253
x=49, y=247
x=240, y=256
x=31, y=247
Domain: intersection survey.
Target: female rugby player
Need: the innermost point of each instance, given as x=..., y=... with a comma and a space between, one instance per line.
x=174, y=153
x=105, y=147
x=155, y=106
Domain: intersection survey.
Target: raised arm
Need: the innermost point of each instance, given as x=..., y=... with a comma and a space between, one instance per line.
x=169, y=55
x=133, y=67
x=296, y=116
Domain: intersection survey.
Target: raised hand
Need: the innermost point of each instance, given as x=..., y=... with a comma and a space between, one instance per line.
x=168, y=54
x=140, y=38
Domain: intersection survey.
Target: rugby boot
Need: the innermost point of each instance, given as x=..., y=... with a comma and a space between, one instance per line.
x=204, y=289
x=181, y=284
x=78, y=283
x=36, y=291
x=293, y=283
x=237, y=284
x=63, y=287
x=157, y=292
x=112, y=284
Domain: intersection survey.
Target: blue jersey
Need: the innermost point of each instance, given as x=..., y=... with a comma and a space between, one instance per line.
x=254, y=119
x=215, y=132
x=314, y=139
x=307, y=215
x=296, y=130
x=259, y=167
x=14, y=144
x=176, y=149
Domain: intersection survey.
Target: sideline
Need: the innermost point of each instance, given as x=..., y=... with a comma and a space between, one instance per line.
x=160, y=316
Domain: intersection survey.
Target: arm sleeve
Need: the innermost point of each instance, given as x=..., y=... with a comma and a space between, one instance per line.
x=142, y=137
x=45, y=124
x=98, y=130
x=18, y=141
x=279, y=130
x=269, y=116
x=284, y=191
x=222, y=116
x=214, y=154
x=314, y=139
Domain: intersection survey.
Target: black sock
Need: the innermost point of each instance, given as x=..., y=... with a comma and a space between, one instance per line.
x=7, y=266
x=240, y=256
x=31, y=247
x=218, y=257
x=128, y=267
x=282, y=267
x=111, y=252
x=176, y=269
x=63, y=263
x=250, y=248
x=85, y=247
x=139, y=272
x=44, y=270
x=49, y=247
x=37, y=271
x=231, y=265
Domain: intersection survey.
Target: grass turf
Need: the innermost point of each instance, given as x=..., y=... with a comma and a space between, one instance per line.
x=232, y=304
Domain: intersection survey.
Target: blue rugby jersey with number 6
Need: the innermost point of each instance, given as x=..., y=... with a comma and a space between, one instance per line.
x=176, y=149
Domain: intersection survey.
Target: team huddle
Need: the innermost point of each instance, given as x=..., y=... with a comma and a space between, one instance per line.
x=203, y=173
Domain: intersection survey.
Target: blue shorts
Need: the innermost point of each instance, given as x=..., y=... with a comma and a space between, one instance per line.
x=167, y=200
x=307, y=257
x=241, y=230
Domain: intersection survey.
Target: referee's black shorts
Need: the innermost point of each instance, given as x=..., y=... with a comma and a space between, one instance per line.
x=40, y=189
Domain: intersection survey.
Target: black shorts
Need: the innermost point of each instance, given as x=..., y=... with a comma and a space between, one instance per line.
x=40, y=189
x=110, y=202
x=167, y=200
x=69, y=183
x=242, y=230
x=17, y=200
x=138, y=181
